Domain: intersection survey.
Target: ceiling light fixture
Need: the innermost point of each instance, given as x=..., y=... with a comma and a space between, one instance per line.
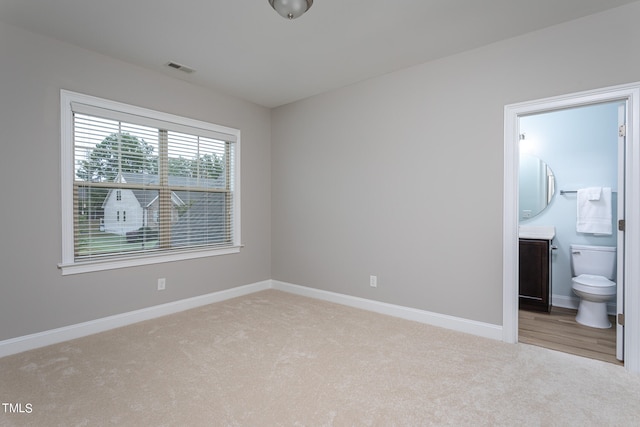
x=291, y=9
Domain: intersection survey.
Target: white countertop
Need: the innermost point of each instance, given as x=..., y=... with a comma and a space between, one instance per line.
x=542, y=232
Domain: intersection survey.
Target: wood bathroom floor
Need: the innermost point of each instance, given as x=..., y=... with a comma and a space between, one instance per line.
x=559, y=331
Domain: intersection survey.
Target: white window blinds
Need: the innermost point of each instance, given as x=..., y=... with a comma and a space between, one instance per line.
x=146, y=183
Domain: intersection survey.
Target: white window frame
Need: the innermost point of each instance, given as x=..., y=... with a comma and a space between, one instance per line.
x=69, y=265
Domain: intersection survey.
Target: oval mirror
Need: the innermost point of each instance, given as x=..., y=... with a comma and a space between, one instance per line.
x=536, y=186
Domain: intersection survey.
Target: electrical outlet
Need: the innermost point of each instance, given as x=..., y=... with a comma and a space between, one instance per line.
x=373, y=281
x=162, y=283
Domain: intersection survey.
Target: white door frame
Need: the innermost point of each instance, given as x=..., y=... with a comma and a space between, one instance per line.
x=631, y=94
x=620, y=278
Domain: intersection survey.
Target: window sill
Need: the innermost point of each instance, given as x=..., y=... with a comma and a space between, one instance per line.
x=116, y=263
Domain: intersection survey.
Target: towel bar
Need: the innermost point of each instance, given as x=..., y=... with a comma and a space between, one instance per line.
x=563, y=192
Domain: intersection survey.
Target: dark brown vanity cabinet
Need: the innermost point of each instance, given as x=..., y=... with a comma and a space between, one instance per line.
x=535, y=275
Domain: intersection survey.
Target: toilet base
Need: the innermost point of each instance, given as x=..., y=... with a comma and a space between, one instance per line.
x=593, y=314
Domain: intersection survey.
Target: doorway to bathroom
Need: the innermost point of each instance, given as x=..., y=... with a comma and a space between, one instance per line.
x=583, y=140
x=560, y=152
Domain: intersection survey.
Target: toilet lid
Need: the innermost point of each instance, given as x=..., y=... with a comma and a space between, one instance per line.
x=593, y=280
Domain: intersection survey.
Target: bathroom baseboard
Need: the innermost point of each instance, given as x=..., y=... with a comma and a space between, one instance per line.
x=573, y=302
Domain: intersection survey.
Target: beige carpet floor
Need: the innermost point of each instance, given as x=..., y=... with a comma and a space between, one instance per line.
x=276, y=359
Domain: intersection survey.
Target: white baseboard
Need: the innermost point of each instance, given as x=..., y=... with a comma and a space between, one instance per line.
x=573, y=302
x=565, y=302
x=486, y=330
x=55, y=336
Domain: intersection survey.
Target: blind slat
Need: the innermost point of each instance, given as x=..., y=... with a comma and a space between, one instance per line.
x=195, y=128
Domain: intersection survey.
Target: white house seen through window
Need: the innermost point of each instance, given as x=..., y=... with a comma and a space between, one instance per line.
x=141, y=187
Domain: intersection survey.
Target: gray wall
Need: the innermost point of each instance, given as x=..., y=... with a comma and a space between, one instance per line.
x=401, y=176
x=398, y=176
x=34, y=296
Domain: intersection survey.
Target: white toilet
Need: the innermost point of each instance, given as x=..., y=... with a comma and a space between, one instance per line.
x=593, y=268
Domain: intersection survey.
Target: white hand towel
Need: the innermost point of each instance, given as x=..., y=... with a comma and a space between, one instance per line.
x=593, y=193
x=594, y=216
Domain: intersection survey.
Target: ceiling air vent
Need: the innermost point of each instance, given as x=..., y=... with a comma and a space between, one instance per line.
x=181, y=67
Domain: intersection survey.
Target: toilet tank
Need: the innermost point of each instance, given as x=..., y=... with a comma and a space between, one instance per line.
x=597, y=260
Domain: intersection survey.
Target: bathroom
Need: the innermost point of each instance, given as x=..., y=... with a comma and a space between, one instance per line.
x=580, y=148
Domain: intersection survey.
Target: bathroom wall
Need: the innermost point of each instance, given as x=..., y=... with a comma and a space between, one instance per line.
x=580, y=147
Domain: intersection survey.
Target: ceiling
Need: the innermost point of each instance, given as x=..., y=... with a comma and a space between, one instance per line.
x=245, y=49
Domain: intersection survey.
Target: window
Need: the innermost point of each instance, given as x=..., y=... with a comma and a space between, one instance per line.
x=142, y=187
